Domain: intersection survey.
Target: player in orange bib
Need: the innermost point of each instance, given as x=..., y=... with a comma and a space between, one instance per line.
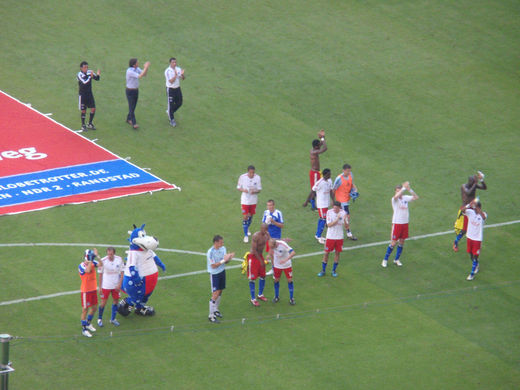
x=87, y=273
x=343, y=189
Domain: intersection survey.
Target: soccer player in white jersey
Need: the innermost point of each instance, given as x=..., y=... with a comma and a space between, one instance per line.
x=474, y=234
x=249, y=184
x=336, y=221
x=110, y=279
x=322, y=188
x=281, y=254
x=217, y=258
x=399, y=222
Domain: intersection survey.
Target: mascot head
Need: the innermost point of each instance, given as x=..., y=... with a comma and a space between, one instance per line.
x=140, y=241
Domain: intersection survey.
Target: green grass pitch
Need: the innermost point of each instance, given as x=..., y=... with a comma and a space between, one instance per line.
x=425, y=91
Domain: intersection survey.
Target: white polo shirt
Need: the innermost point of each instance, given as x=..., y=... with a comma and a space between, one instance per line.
x=475, y=225
x=400, y=206
x=246, y=182
x=281, y=252
x=335, y=232
x=111, y=271
x=169, y=73
x=322, y=188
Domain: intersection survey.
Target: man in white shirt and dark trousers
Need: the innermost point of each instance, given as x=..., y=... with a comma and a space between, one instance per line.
x=133, y=75
x=400, y=220
x=217, y=257
x=474, y=234
x=173, y=75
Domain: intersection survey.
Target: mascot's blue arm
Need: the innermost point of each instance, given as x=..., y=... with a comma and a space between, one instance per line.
x=159, y=263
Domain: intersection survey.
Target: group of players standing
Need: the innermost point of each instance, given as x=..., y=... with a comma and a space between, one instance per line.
x=323, y=191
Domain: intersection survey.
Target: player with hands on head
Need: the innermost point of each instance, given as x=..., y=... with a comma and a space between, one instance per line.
x=476, y=217
x=400, y=221
x=87, y=273
x=468, y=192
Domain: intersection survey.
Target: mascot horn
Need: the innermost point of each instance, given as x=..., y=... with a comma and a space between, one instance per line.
x=141, y=274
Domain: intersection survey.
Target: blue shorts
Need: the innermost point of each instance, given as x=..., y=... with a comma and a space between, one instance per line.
x=218, y=281
x=344, y=206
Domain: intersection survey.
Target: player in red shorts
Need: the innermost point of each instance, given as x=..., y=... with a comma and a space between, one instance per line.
x=318, y=146
x=111, y=273
x=476, y=218
x=336, y=221
x=87, y=273
x=281, y=254
x=256, y=264
x=249, y=184
x=400, y=221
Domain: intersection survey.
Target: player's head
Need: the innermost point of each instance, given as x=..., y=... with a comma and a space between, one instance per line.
x=111, y=251
x=272, y=243
x=326, y=173
x=83, y=66
x=398, y=188
x=471, y=180
x=270, y=205
x=132, y=62
x=316, y=144
x=251, y=171
x=477, y=203
x=346, y=169
x=263, y=227
x=218, y=241
x=337, y=206
x=173, y=61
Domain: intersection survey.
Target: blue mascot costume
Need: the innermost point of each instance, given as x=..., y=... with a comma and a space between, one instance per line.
x=141, y=273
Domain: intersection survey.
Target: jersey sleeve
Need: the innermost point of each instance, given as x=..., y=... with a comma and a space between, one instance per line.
x=259, y=183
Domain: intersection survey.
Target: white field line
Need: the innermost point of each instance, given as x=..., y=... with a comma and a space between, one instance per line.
x=204, y=254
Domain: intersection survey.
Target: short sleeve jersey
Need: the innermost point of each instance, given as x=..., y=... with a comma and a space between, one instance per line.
x=246, y=182
x=475, y=225
x=281, y=252
x=169, y=73
x=400, y=206
x=335, y=232
x=111, y=271
x=214, y=256
x=274, y=231
x=322, y=189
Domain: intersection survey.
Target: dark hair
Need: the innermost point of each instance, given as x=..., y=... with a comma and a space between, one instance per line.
x=251, y=167
x=111, y=248
x=173, y=59
x=325, y=171
x=398, y=187
x=270, y=201
x=315, y=143
x=217, y=238
x=132, y=62
x=83, y=63
x=346, y=166
x=336, y=203
x=478, y=204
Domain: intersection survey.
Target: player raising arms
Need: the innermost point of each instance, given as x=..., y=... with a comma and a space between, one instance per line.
x=319, y=146
x=256, y=264
x=476, y=217
x=249, y=184
x=468, y=192
x=87, y=273
x=400, y=221
x=345, y=190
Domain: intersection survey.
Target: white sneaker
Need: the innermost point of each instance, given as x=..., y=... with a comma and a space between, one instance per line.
x=248, y=233
x=86, y=333
x=270, y=272
x=470, y=277
x=476, y=270
x=246, y=239
x=91, y=328
x=398, y=263
x=100, y=322
x=384, y=263
x=322, y=240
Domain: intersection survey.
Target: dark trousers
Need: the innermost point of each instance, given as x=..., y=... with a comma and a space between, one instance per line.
x=132, y=95
x=174, y=100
